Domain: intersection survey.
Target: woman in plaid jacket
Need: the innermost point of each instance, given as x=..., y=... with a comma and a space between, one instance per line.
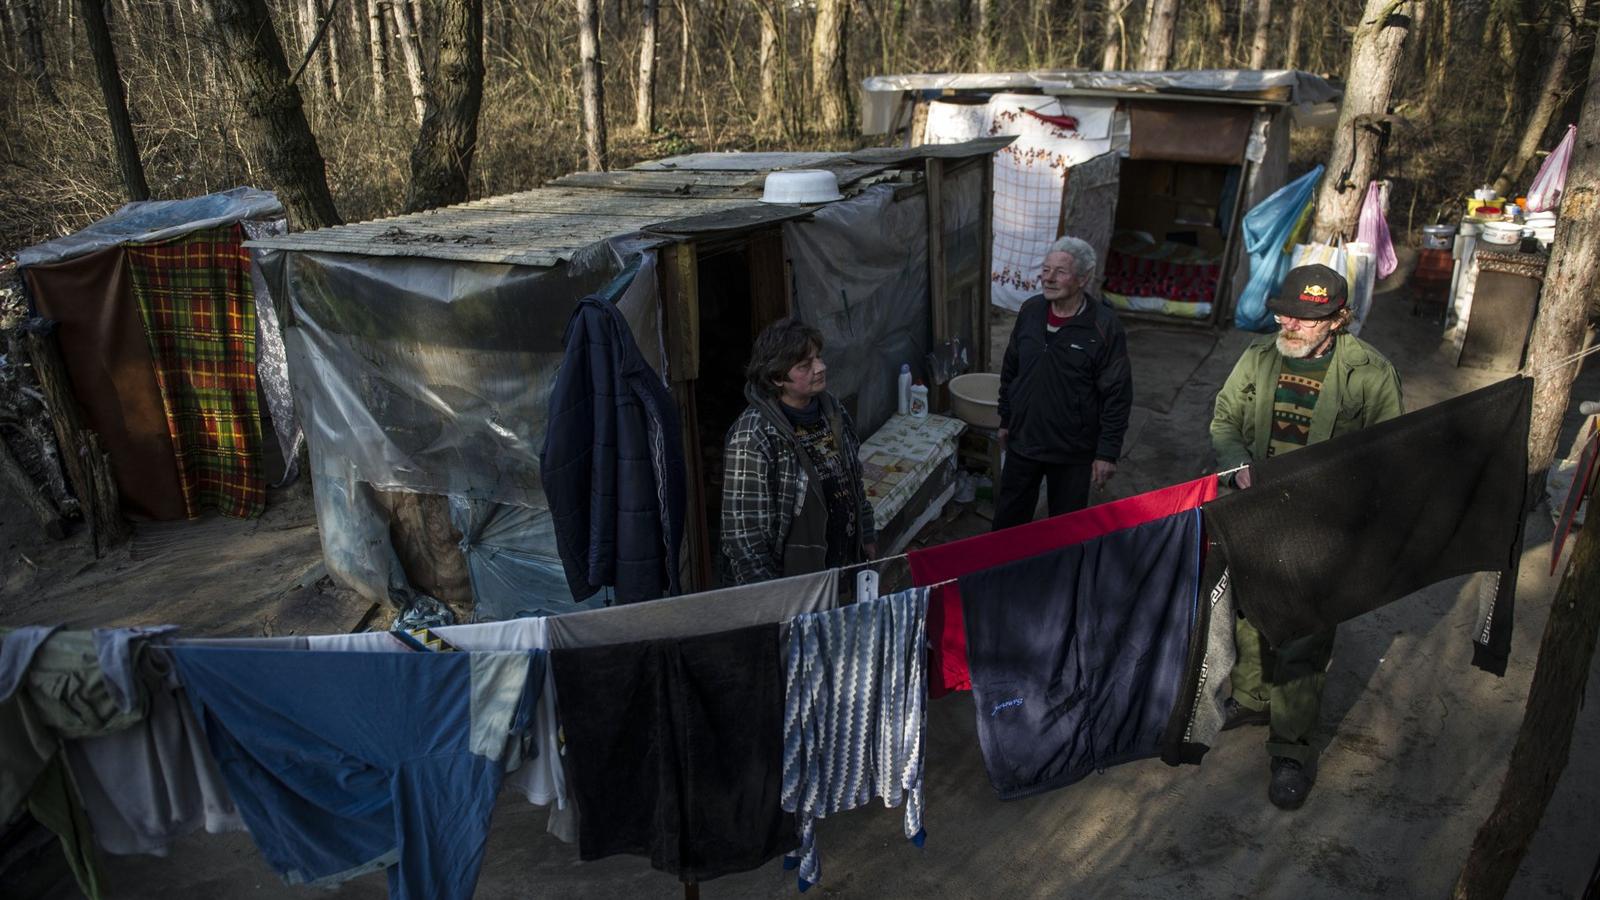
x=792, y=496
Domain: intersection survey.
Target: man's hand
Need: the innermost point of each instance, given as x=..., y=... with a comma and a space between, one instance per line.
x=1101, y=472
x=1241, y=478
x=1004, y=433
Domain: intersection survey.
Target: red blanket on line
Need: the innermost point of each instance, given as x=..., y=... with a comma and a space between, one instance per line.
x=947, y=632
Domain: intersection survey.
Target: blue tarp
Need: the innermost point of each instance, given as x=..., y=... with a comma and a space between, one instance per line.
x=1267, y=231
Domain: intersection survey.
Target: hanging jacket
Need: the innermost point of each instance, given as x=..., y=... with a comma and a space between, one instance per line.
x=774, y=516
x=1361, y=389
x=1066, y=397
x=612, y=463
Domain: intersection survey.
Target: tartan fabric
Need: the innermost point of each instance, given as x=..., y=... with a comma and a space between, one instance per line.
x=199, y=313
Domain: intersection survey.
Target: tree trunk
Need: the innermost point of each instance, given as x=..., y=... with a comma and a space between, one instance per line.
x=1563, y=37
x=1291, y=45
x=1374, y=60
x=1545, y=739
x=1111, y=53
x=441, y=161
x=31, y=495
x=649, y=34
x=770, y=60
x=412, y=54
x=1157, y=54
x=281, y=137
x=986, y=35
x=379, y=59
x=330, y=47
x=1569, y=278
x=830, y=75
x=594, y=96
x=1261, y=36
x=26, y=13
x=110, y=78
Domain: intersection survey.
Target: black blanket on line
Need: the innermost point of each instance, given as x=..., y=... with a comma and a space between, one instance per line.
x=674, y=750
x=1346, y=526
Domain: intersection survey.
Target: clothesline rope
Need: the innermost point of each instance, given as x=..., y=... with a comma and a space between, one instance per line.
x=1564, y=361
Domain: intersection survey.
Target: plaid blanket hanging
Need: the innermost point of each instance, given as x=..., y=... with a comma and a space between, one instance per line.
x=195, y=298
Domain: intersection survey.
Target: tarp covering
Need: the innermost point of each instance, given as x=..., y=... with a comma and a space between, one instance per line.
x=861, y=278
x=415, y=376
x=154, y=220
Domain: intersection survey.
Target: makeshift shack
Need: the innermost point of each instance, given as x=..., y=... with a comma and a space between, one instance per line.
x=171, y=345
x=423, y=348
x=1154, y=169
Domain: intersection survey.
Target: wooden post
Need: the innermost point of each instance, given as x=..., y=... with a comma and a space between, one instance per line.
x=678, y=281
x=985, y=276
x=1545, y=738
x=88, y=466
x=1574, y=268
x=938, y=296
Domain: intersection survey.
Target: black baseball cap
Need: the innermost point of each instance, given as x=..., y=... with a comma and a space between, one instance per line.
x=1310, y=292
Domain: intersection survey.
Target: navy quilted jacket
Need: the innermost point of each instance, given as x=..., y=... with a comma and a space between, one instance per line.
x=612, y=463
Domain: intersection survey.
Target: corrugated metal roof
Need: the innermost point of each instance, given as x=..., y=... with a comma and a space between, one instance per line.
x=547, y=226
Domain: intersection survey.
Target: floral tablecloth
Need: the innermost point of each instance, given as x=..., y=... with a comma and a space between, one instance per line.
x=898, y=458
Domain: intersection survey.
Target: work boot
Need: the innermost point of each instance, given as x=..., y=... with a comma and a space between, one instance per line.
x=1291, y=782
x=1237, y=715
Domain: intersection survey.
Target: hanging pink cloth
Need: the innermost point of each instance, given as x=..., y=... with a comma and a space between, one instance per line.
x=1545, y=194
x=1374, y=230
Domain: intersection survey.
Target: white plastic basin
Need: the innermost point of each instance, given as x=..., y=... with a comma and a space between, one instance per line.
x=975, y=399
x=801, y=186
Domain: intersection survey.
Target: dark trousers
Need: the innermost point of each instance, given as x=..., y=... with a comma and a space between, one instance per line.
x=1067, y=487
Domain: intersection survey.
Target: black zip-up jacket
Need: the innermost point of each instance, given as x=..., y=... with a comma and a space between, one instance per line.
x=1065, y=397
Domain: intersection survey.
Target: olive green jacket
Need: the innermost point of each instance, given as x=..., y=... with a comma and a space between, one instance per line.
x=1361, y=389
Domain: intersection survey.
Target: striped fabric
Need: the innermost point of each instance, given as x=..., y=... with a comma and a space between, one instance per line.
x=854, y=715
x=195, y=298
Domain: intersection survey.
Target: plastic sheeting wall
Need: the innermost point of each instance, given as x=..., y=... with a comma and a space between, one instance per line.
x=429, y=376
x=861, y=278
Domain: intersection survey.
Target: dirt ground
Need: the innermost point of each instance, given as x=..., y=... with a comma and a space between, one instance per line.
x=1416, y=739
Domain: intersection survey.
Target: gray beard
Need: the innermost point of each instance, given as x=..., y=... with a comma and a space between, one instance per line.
x=1293, y=352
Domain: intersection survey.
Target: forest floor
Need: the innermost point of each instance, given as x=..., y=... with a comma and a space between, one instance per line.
x=1416, y=740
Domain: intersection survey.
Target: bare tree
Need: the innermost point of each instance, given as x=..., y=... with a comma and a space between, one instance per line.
x=441, y=161
x=771, y=60
x=1291, y=45
x=1567, y=649
x=1374, y=59
x=594, y=97
x=1261, y=36
x=1563, y=38
x=110, y=78
x=649, y=33
x=26, y=15
x=1157, y=53
x=330, y=47
x=987, y=28
x=830, y=74
x=1115, y=32
x=277, y=120
x=377, y=56
x=400, y=15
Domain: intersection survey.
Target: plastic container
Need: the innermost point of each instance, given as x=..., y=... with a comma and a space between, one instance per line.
x=1502, y=233
x=903, y=395
x=975, y=399
x=919, y=400
x=801, y=186
x=1438, y=237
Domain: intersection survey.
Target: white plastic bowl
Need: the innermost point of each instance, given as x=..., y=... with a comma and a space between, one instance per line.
x=801, y=186
x=1502, y=232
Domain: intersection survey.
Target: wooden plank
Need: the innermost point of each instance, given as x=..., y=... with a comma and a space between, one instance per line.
x=696, y=567
x=769, y=291
x=678, y=284
x=933, y=177
x=986, y=270
x=740, y=219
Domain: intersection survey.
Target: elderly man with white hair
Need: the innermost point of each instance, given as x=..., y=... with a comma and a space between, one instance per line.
x=1065, y=391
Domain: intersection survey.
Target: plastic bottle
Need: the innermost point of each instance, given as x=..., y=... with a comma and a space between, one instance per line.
x=903, y=396
x=919, y=400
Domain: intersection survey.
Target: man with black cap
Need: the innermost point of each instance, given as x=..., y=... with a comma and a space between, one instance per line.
x=1311, y=381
